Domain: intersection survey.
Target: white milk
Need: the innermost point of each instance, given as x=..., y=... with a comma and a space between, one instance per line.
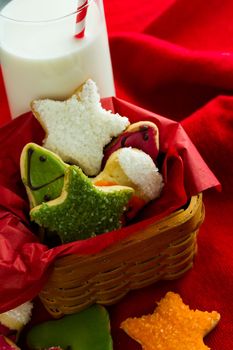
x=44, y=59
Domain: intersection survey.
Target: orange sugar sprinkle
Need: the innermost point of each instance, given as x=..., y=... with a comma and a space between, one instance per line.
x=172, y=326
x=105, y=183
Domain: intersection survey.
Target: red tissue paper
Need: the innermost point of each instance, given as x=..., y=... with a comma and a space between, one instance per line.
x=25, y=263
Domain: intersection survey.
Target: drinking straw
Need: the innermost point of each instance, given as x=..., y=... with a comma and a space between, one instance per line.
x=80, y=19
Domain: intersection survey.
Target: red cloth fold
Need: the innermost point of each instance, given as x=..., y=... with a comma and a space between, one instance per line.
x=175, y=58
x=172, y=80
x=177, y=61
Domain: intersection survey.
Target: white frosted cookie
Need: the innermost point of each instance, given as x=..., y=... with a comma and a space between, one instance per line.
x=79, y=128
x=14, y=320
x=134, y=168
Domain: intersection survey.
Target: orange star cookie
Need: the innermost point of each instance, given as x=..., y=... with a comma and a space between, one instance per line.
x=172, y=326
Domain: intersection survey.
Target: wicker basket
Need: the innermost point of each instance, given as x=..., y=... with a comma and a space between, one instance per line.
x=164, y=250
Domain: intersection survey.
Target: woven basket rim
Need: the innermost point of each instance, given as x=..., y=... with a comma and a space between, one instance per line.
x=179, y=217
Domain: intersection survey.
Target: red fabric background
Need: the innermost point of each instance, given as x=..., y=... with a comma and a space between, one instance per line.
x=175, y=58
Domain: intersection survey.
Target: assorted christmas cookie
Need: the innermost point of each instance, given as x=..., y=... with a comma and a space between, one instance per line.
x=83, y=210
x=134, y=168
x=93, y=172
x=13, y=321
x=172, y=326
x=79, y=128
x=86, y=330
x=42, y=173
x=84, y=140
x=143, y=135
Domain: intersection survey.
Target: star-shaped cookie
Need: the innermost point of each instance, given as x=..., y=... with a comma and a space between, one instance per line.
x=82, y=210
x=172, y=326
x=79, y=128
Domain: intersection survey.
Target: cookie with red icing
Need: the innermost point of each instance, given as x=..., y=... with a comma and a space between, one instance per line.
x=143, y=135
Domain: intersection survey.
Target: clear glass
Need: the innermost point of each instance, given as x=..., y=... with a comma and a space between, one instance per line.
x=40, y=55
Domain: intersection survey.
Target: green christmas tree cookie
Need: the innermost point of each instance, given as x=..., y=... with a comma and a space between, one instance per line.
x=82, y=210
x=42, y=173
x=86, y=330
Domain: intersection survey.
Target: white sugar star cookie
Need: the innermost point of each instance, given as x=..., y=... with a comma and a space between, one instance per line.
x=79, y=128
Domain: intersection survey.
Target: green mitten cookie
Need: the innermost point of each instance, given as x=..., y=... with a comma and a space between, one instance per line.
x=42, y=173
x=86, y=330
x=83, y=210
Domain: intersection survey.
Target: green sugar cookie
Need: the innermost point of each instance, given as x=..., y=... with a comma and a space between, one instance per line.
x=82, y=210
x=86, y=330
x=42, y=173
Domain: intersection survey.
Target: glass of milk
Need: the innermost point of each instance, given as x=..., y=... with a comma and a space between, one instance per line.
x=40, y=55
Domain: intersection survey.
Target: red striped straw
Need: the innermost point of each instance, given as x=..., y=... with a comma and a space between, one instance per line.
x=80, y=19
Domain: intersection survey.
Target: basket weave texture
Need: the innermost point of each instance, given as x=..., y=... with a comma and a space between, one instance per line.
x=162, y=251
